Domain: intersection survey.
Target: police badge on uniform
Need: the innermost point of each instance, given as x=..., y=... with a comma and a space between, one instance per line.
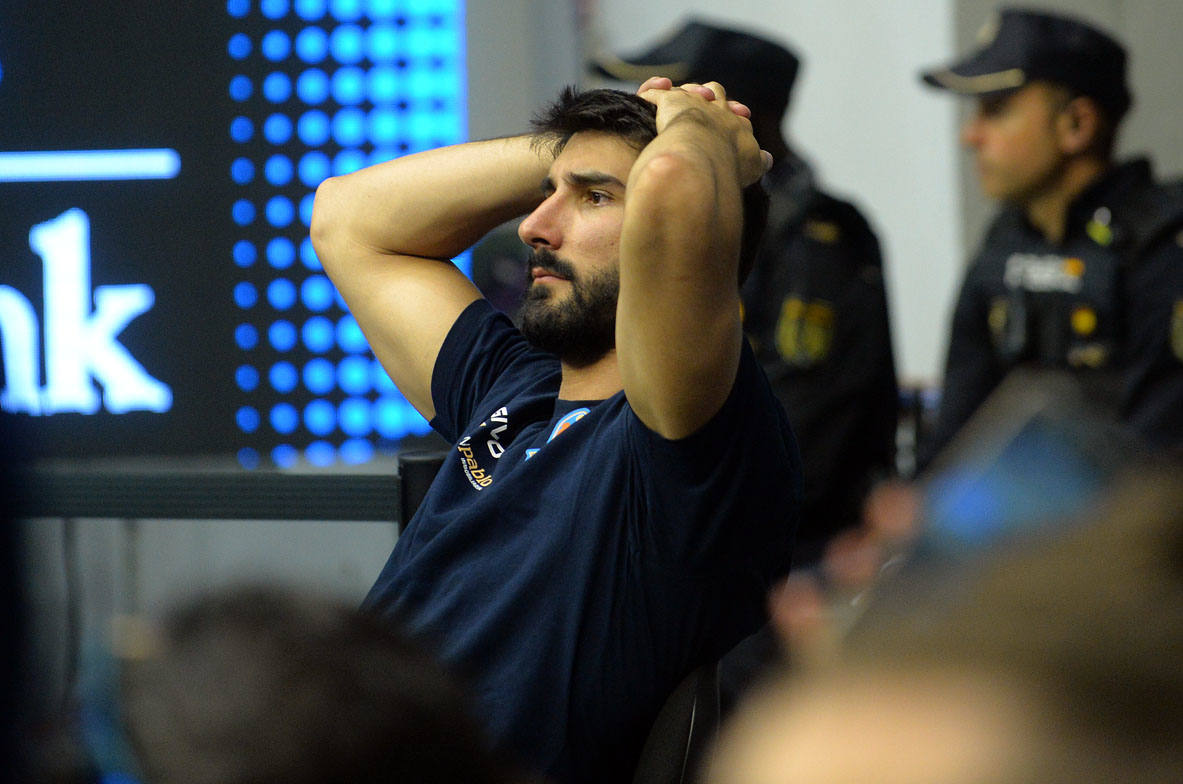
x=997, y=319
x=804, y=331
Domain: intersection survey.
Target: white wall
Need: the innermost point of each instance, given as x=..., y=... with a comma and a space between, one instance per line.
x=873, y=132
x=520, y=53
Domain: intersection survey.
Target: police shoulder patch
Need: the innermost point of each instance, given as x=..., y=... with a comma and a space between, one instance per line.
x=804, y=331
x=825, y=232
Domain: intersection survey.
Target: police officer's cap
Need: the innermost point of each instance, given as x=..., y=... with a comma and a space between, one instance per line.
x=1021, y=46
x=754, y=70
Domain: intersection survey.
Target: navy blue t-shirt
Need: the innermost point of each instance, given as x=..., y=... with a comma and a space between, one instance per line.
x=573, y=565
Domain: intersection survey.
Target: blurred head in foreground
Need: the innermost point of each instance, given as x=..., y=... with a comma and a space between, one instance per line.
x=256, y=685
x=1057, y=661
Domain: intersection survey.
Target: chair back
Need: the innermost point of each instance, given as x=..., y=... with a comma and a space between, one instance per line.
x=683, y=732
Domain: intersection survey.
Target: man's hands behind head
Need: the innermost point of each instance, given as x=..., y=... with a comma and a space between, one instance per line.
x=708, y=105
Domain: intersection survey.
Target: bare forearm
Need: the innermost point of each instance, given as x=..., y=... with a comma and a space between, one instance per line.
x=688, y=181
x=685, y=191
x=375, y=231
x=434, y=204
x=678, y=329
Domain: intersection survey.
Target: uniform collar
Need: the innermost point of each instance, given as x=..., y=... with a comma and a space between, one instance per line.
x=1113, y=187
x=1095, y=202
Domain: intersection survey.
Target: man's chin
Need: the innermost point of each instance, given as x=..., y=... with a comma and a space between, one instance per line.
x=548, y=289
x=538, y=307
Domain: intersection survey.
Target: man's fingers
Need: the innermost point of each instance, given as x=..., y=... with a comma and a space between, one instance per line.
x=716, y=90
x=738, y=108
x=656, y=83
x=713, y=91
x=701, y=90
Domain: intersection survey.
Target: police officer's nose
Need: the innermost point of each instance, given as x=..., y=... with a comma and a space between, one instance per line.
x=971, y=131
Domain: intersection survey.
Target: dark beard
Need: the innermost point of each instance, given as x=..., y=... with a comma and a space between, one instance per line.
x=581, y=330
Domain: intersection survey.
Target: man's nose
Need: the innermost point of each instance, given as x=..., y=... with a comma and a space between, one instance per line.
x=541, y=228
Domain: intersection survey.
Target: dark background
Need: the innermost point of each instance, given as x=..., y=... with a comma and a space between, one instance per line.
x=116, y=75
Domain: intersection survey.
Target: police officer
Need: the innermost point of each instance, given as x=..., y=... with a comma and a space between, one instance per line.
x=814, y=306
x=1082, y=270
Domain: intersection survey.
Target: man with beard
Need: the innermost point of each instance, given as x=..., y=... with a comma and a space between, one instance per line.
x=623, y=485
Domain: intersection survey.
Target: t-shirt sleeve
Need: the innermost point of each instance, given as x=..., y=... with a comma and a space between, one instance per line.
x=727, y=495
x=479, y=348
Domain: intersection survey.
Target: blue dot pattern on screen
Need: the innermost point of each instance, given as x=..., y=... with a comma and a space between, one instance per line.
x=247, y=378
x=244, y=253
x=322, y=88
x=248, y=419
x=280, y=253
x=245, y=295
x=283, y=377
x=281, y=293
x=318, y=376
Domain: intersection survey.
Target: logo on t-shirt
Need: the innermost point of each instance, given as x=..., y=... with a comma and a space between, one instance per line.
x=561, y=427
x=489, y=435
x=500, y=420
x=479, y=477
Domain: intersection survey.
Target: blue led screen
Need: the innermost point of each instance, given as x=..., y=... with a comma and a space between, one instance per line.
x=158, y=292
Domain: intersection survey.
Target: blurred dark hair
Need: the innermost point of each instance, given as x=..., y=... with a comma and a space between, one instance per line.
x=255, y=685
x=634, y=119
x=1089, y=620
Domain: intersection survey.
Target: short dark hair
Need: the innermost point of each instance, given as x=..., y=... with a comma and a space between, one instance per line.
x=253, y=685
x=634, y=119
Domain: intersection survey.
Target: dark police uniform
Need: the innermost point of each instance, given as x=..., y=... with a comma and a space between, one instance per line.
x=1105, y=304
x=815, y=310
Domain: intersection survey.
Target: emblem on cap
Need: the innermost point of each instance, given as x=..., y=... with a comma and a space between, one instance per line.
x=989, y=30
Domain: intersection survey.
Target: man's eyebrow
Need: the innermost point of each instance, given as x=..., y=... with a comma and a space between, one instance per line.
x=584, y=179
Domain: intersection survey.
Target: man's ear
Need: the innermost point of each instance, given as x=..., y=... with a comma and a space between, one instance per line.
x=1078, y=124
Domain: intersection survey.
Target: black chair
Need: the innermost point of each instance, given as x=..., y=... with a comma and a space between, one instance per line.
x=683, y=732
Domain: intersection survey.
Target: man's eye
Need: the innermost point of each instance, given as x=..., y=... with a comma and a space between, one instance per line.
x=598, y=197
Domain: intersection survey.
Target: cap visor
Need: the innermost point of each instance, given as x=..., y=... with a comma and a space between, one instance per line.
x=976, y=84
x=622, y=70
